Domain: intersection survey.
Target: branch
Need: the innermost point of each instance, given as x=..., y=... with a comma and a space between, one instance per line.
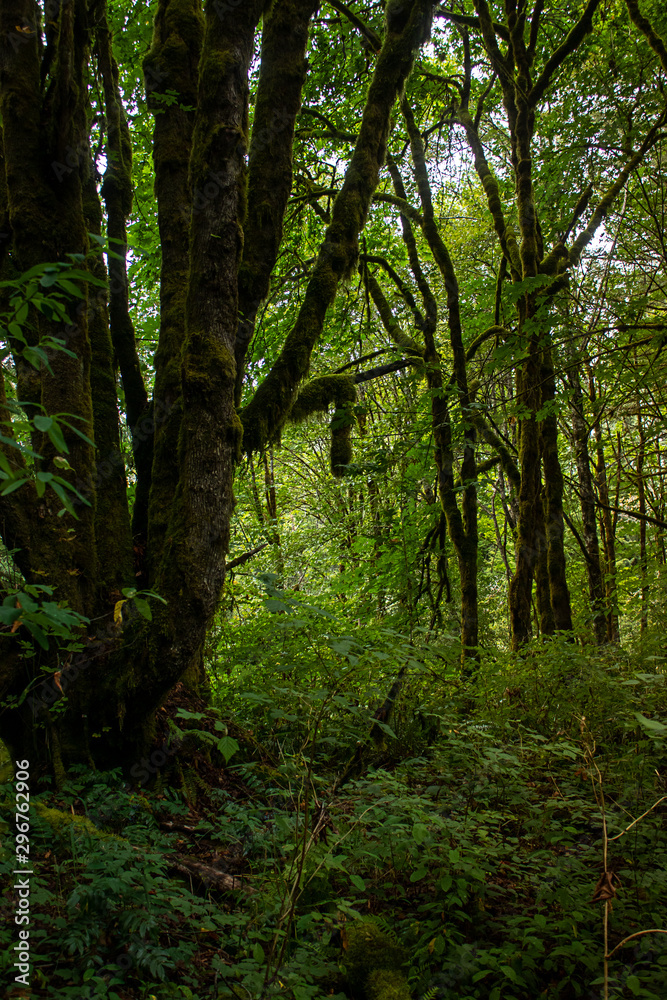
x=467, y=21
x=117, y=194
x=400, y=284
x=492, y=191
x=430, y=321
x=393, y=366
x=364, y=357
x=509, y=466
x=534, y=28
x=579, y=539
x=653, y=930
x=240, y=560
x=631, y=513
x=389, y=321
x=402, y=205
x=654, y=40
x=607, y=200
x=573, y=40
x=371, y=37
x=266, y=413
x=282, y=72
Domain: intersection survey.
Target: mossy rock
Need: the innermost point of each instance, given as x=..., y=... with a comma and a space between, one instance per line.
x=387, y=984
x=374, y=961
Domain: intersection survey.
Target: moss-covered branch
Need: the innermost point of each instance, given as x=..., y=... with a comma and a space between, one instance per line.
x=430, y=321
x=407, y=28
x=574, y=38
x=281, y=77
x=647, y=29
x=492, y=191
x=469, y=21
x=389, y=321
x=404, y=289
x=402, y=205
x=317, y=396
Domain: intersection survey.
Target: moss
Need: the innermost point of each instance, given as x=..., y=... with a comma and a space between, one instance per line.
x=316, y=397
x=64, y=824
x=387, y=984
x=206, y=356
x=369, y=949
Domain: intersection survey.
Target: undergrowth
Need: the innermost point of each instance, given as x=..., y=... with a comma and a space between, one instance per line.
x=463, y=840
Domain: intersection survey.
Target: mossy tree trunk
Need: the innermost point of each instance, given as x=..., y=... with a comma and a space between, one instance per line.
x=187, y=439
x=580, y=434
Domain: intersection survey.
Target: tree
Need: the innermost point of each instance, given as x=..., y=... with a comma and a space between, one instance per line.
x=226, y=230
x=220, y=230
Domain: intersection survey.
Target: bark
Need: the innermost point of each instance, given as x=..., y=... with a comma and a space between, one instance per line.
x=553, y=497
x=112, y=516
x=46, y=223
x=281, y=77
x=171, y=64
x=117, y=195
x=545, y=612
x=587, y=499
x=190, y=574
x=608, y=530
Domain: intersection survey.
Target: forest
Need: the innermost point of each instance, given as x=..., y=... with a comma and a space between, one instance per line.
x=333, y=499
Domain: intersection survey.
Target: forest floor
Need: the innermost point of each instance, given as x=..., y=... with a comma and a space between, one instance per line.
x=461, y=859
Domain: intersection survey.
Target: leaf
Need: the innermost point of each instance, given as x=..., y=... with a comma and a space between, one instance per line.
x=419, y=873
x=42, y=423
x=144, y=608
x=36, y=632
x=652, y=724
x=419, y=832
x=228, y=746
x=13, y=485
x=357, y=882
x=57, y=439
x=385, y=728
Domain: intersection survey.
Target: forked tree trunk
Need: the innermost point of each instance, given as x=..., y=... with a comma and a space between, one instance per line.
x=188, y=438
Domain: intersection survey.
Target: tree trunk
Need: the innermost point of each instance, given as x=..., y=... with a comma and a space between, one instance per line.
x=587, y=500
x=188, y=438
x=553, y=499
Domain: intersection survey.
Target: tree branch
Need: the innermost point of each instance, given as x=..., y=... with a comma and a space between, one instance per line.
x=583, y=26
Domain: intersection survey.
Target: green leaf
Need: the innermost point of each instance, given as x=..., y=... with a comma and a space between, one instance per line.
x=42, y=423
x=228, y=746
x=144, y=608
x=651, y=724
x=13, y=485
x=357, y=882
x=419, y=833
x=419, y=873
